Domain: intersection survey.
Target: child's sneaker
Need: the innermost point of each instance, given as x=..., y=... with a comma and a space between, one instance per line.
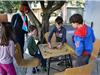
x=38, y=70
x=34, y=71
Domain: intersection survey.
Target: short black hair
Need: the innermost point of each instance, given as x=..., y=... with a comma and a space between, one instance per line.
x=59, y=20
x=76, y=18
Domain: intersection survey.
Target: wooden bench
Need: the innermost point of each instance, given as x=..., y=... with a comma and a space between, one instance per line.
x=29, y=62
x=85, y=69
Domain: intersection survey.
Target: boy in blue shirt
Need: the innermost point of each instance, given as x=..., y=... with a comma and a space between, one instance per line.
x=83, y=39
x=60, y=33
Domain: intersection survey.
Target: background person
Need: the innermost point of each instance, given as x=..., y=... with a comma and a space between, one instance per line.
x=19, y=24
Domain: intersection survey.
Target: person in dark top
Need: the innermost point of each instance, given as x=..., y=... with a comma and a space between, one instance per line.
x=19, y=24
x=59, y=31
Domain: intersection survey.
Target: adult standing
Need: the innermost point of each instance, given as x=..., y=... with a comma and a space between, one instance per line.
x=19, y=24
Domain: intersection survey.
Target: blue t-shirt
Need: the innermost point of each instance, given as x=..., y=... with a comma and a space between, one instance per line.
x=60, y=34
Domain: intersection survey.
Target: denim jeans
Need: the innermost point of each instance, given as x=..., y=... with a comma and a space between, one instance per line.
x=39, y=56
x=82, y=60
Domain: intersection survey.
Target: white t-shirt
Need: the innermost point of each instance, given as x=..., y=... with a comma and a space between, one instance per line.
x=7, y=53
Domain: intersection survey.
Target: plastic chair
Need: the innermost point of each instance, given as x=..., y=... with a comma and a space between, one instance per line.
x=25, y=63
x=82, y=70
x=96, y=50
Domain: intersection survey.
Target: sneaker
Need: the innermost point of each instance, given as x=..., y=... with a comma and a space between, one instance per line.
x=34, y=71
x=38, y=70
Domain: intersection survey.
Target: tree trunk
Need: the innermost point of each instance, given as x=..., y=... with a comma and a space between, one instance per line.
x=35, y=22
x=45, y=25
x=45, y=22
x=47, y=11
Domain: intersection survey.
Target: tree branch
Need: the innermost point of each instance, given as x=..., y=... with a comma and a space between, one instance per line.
x=42, y=5
x=58, y=5
x=50, y=4
x=33, y=18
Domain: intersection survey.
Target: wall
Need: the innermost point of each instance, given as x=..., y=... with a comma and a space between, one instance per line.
x=92, y=13
x=73, y=10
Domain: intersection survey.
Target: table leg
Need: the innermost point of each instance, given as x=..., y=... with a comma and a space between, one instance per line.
x=66, y=60
x=48, y=66
x=70, y=60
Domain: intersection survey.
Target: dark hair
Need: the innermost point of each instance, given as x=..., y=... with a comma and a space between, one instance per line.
x=76, y=18
x=59, y=20
x=32, y=27
x=6, y=32
x=24, y=4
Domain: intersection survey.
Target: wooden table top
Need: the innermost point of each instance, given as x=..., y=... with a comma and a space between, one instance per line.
x=54, y=52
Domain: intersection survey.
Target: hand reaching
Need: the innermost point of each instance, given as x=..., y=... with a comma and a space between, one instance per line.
x=49, y=45
x=60, y=45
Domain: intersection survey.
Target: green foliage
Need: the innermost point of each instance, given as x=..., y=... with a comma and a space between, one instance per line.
x=78, y=3
x=9, y=6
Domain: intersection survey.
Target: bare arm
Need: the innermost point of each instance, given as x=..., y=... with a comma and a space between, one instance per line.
x=12, y=49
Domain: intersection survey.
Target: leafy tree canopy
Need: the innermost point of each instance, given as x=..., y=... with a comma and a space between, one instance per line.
x=9, y=6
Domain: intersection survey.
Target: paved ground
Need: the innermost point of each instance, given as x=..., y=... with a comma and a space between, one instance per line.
x=28, y=71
